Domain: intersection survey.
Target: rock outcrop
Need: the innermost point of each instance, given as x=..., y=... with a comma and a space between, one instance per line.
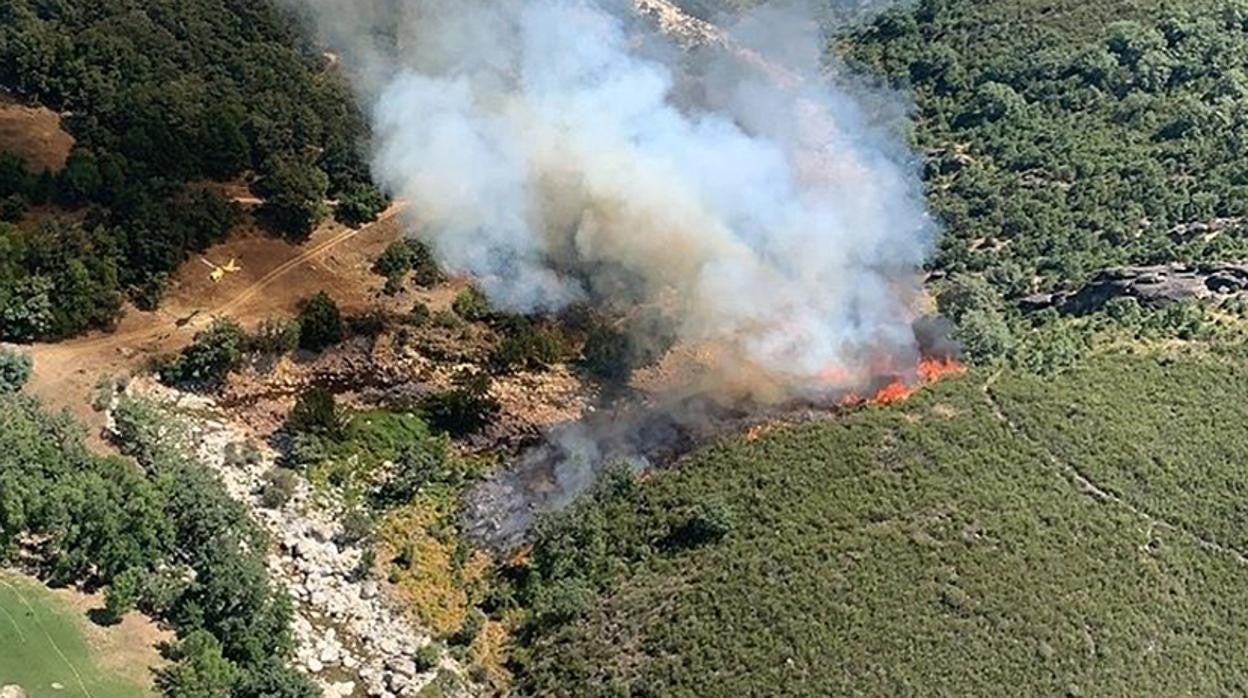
x=1153, y=286
x=347, y=633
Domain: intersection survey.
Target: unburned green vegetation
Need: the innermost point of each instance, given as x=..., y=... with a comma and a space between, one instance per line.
x=1061, y=138
x=943, y=546
x=160, y=97
x=42, y=645
x=158, y=527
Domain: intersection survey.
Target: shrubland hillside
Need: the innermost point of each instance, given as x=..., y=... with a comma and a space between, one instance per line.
x=1062, y=137
x=1059, y=139
x=1075, y=536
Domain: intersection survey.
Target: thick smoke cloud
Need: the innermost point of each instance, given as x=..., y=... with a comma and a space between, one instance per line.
x=559, y=153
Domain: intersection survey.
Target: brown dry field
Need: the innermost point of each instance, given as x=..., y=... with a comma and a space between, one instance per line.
x=34, y=133
x=276, y=277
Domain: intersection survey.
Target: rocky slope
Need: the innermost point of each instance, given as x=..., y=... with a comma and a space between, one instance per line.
x=348, y=634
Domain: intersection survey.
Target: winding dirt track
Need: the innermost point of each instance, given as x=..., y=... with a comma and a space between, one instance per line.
x=119, y=339
x=66, y=372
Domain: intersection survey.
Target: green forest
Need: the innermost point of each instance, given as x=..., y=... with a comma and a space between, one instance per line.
x=1060, y=137
x=160, y=531
x=160, y=98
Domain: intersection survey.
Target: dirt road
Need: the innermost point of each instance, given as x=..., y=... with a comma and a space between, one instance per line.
x=276, y=277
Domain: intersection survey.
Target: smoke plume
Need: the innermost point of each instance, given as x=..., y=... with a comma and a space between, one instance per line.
x=561, y=151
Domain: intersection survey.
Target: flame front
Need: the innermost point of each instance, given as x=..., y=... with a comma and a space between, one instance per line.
x=898, y=389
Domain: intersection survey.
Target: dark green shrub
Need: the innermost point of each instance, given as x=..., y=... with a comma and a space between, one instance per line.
x=15, y=369
x=606, y=353
x=368, y=324
x=316, y=413
x=278, y=488
x=360, y=204
x=528, y=346
x=212, y=355
x=471, y=305
x=274, y=337
x=356, y=526
x=123, y=594
x=419, y=316
x=464, y=409
x=428, y=657
x=320, y=323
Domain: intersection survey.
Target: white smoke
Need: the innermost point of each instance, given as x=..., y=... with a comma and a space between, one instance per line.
x=556, y=154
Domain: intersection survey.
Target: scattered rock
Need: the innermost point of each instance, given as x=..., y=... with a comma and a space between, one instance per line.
x=1152, y=286
x=12, y=691
x=340, y=621
x=331, y=655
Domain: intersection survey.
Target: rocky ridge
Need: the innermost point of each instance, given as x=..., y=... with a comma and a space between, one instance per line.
x=1153, y=286
x=348, y=635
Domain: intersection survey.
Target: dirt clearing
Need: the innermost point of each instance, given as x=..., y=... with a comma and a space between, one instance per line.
x=34, y=133
x=275, y=277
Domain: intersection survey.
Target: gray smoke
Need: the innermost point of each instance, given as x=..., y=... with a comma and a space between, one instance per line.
x=558, y=151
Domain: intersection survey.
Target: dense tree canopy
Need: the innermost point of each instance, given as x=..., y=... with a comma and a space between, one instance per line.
x=160, y=528
x=1063, y=140
x=158, y=95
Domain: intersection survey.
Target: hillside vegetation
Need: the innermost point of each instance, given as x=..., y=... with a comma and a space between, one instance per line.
x=43, y=643
x=161, y=96
x=160, y=531
x=948, y=546
x=1061, y=138
x=1066, y=136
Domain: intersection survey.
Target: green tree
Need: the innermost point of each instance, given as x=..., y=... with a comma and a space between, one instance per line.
x=294, y=192
x=14, y=179
x=80, y=181
x=227, y=152
x=464, y=409
x=199, y=669
x=471, y=305
x=606, y=353
x=15, y=369
x=984, y=335
x=28, y=313
x=316, y=412
x=212, y=355
x=123, y=594
x=273, y=679
x=394, y=264
x=964, y=293
x=360, y=204
x=320, y=323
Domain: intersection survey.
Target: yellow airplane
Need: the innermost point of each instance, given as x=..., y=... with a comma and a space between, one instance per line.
x=219, y=272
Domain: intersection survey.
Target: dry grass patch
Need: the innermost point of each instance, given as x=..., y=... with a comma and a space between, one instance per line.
x=35, y=134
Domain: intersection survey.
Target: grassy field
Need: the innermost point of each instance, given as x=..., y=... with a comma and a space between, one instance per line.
x=43, y=645
x=998, y=534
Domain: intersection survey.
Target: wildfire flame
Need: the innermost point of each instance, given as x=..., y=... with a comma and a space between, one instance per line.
x=928, y=371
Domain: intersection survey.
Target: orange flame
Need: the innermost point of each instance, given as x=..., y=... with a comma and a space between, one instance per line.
x=893, y=392
x=932, y=370
x=928, y=371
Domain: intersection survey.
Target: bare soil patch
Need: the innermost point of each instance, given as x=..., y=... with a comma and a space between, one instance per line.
x=34, y=133
x=275, y=277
